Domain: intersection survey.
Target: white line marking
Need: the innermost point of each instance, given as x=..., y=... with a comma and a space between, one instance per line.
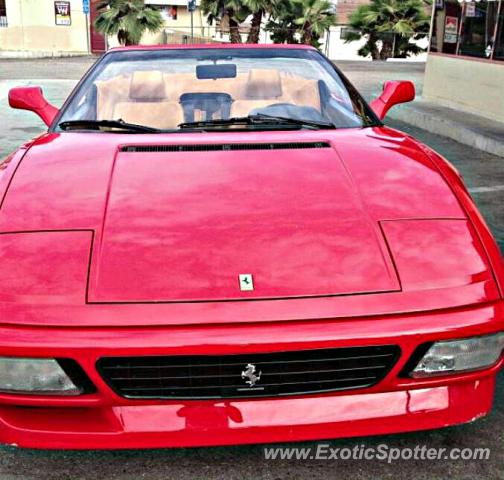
x=4, y=89
x=495, y=188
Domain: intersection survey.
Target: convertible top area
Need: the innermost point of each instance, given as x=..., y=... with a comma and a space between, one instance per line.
x=220, y=46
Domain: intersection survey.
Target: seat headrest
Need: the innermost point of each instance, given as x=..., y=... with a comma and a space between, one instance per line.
x=263, y=84
x=147, y=86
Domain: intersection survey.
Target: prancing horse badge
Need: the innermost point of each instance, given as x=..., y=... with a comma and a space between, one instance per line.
x=246, y=282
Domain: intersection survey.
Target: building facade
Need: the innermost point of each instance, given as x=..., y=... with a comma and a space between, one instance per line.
x=345, y=8
x=42, y=27
x=465, y=66
x=61, y=27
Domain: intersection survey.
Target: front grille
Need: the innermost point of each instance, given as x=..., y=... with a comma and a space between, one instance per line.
x=223, y=147
x=282, y=373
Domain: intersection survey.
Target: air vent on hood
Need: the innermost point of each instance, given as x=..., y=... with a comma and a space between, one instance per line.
x=224, y=147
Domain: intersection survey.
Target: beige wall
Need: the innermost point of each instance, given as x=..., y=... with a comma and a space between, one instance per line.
x=31, y=28
x=471, y=85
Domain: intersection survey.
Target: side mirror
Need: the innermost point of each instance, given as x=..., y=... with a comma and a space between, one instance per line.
x=32, y=98
x=394, y=92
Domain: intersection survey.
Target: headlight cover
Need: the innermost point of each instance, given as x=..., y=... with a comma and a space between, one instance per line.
x=41, y=376
x=460, y=355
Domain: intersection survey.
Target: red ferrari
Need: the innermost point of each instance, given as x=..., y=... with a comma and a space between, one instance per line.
x=217, y=245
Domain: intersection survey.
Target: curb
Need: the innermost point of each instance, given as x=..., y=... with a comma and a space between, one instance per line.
x=448, y=128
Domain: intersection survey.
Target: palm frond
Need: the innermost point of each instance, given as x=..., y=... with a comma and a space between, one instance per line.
x=391, y=20
x=128, y=19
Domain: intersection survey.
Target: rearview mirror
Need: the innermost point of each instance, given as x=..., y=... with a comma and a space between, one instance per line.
x=213, y=72
x=394, y=92
x=32, y=98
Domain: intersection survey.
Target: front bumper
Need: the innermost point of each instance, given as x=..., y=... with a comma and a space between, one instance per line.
x=192, y=424
x=103, y=420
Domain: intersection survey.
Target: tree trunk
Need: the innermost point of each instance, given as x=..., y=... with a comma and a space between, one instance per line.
x=255, y=28
x=375, y=53
x=122, y=37
x=307, y=37
x=234, y=32
x=386, y=51
x=126, y=39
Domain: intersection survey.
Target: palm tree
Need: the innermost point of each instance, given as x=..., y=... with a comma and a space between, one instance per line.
x=128, y=19
x=317, y=16
x=393, y=23
x=281, y=24
x=232, y=11
x=309, y=19
x=259, y=9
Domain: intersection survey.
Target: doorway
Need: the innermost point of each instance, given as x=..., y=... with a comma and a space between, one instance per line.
x=98, y=44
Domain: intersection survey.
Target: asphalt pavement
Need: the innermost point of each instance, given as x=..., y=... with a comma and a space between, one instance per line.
x=484, y=174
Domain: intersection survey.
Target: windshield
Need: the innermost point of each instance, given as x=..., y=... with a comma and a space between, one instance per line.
x=172, y=89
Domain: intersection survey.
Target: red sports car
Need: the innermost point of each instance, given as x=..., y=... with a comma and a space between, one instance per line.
x=223, y=245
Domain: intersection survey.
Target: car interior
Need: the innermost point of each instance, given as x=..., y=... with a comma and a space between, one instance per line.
x=164, y=100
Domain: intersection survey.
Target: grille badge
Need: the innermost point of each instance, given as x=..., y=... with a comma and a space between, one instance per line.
x=250, y=376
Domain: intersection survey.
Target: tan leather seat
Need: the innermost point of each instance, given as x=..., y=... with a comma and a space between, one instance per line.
x=152, y=98
x=147, y=103
x=263, y=88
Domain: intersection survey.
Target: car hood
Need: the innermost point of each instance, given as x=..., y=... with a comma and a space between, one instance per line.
x=178, y=218
x=187, y=224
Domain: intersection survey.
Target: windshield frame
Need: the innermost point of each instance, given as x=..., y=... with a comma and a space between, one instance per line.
x=112, y=55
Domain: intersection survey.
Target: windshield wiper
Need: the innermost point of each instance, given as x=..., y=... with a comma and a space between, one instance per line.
x=259, y=120
x=249, y=121
x=99, y=124
x=296, y=121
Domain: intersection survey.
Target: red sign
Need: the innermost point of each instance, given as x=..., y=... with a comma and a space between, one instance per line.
x=451, y=30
